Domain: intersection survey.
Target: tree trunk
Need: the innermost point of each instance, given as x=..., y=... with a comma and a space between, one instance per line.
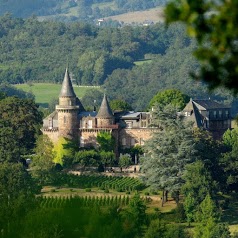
x=177, y=197
x=162, y=199
x=166, y=196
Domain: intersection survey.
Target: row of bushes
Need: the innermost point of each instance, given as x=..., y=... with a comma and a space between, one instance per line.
x=103, y=182
x=87, y=201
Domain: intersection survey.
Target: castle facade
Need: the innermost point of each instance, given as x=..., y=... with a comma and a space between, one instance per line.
x=72, y=121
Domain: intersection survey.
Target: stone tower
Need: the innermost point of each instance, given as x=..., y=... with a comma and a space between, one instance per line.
x=105, y=116
x=68, y=110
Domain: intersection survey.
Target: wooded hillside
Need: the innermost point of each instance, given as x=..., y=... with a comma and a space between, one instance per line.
x=132, y=63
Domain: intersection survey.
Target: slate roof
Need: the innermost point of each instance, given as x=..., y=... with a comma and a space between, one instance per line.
x=67, y=88
x=87, y=114
x=53, y=115
x=208, y=104
x=131, y=115
x=105, y=110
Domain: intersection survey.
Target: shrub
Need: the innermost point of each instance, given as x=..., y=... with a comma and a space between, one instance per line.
x=53, y=190
x=106, y=191
x=88, y=190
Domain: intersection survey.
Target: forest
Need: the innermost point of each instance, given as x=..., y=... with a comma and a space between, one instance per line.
x=126, y=61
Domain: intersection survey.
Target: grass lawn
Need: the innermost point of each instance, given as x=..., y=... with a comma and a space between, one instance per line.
x=45, y=92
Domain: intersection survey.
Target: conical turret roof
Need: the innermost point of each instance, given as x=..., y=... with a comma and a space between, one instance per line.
x=67, y=88
x=105, y=110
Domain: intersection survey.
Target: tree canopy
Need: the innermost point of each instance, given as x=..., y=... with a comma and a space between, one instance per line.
x=213, y=24
x=170, y=96
x=20, y=123
x=168, y=152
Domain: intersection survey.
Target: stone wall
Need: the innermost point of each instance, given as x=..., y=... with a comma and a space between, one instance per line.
x=52, y=134
x=130, y=137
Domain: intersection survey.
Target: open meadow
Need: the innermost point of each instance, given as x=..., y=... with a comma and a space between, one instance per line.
x=45, y=92
x=154, y=14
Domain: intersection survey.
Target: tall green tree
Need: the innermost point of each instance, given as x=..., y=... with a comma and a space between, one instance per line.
x=198, y=182
x=168, y=152
x=229, y=161
x=20, y=123
x=210, y=152
x=170, y=96
x=207, y=217
x=106, y=141
x=42, y=166
x=17, y=194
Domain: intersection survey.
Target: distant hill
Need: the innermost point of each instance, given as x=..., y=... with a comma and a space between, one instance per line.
x=144, y=17
x=75, y=10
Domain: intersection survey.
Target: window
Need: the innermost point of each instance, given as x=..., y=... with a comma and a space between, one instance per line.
x=227, y=114
x=220, y=113
x=132, y=141
x=123, y=141
x=90, y=124
x=143, y=124
x=129, y=124
x=50, y=123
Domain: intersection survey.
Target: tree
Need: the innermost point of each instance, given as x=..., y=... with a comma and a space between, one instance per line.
x=136, y=212
x=87, y=158
x=92, y=98
x=106, y=141
x=17, y=194
x=20, y=123
x=64, y=151
x=42, y=166
x=229, y=161
x=209, y=152
x=170, y=96
x=120, y=105
x=217, y=48
x=207, y=217
x=107, y=158
x=168, y=152
x=198, y=183
x=124, y=161
x=189, y=207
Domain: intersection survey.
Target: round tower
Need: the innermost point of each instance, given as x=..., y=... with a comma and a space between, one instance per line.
x=105, y=116
x=68, y=110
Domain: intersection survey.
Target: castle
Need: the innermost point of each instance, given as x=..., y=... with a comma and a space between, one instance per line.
x=72, y=121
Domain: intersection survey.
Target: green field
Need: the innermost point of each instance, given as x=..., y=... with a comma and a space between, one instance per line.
x=45, y=92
